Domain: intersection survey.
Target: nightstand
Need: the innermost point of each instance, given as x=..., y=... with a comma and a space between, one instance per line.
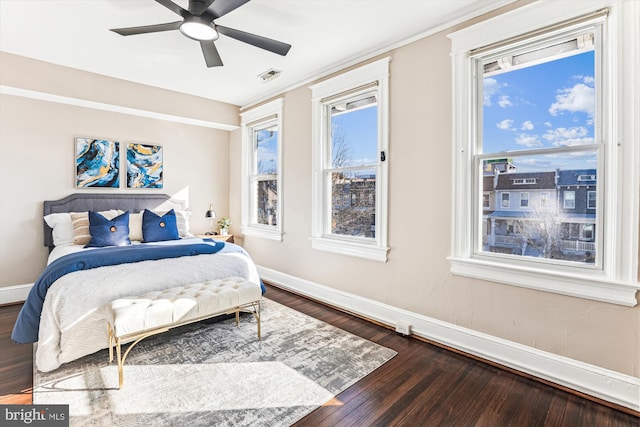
x=225, y=238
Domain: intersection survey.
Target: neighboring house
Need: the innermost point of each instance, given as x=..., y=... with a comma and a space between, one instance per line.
x=353, y=209
x=577, y=206
x=540, y=214
x=518, y=197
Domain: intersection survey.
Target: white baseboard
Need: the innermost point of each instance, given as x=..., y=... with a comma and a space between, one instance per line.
x=611, y=386
x=13, y=294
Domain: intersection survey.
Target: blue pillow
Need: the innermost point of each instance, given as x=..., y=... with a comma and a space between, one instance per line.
x=156, y=228
x=108, y=232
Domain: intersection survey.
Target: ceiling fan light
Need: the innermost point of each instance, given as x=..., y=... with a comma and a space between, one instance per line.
x=198, y=29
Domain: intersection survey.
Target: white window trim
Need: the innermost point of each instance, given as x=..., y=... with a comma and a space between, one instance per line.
x=617, y=281
x=372, y=249
x=254, y=116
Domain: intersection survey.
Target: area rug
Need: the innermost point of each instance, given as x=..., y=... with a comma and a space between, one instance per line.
x=216, y=374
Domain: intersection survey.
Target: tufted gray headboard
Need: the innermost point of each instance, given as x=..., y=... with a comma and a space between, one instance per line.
x=83, y=202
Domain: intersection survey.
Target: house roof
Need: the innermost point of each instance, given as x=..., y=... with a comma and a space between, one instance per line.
x=543, y=181
x=572, y=177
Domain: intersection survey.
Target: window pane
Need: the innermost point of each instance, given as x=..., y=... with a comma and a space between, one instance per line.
x=542, y=106
x=553, y=219
x=267, y=150
x=354, y=132
x=267, y=202
x=353, y=203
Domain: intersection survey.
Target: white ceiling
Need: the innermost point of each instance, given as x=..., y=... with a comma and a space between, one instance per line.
x=325, y=35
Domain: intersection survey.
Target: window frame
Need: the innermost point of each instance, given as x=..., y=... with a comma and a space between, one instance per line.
x=372, y=75
x=253, y=120
x=595, y=199
x=566, y=199
x=616, y=279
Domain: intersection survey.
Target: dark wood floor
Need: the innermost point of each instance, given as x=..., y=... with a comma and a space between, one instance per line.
x=423, y=385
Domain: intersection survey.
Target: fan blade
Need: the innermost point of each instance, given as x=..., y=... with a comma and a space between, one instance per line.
x=211, y=55
x=147, y=29
x=255, y=40
x=174, y=8
x=222, y=7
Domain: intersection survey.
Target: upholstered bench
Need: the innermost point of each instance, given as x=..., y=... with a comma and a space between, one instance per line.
x=137, y=317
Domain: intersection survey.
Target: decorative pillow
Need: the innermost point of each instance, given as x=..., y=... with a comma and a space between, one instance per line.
x=62, y=228
x=108, y=232
x=80, y=223
x=135, y=227
x=156, y=228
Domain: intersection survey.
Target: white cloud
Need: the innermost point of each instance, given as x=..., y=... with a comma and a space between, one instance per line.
x=490, y=89
x=504, y=101
x=528, y=125
x=568, y=136
x=528, y=140
x=579, y=98
x=548, y=124
x=506, y=124
x=589, y=80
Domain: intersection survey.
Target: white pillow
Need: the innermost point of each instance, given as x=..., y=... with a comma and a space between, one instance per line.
x=62, y=228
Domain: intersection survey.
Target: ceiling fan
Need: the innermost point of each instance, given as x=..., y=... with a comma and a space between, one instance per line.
x=197, y=24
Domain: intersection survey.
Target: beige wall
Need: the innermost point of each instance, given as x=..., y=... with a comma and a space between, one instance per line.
x=417, y=276
x=37, y=150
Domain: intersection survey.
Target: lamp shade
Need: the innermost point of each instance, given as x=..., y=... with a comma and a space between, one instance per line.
x=210, y=213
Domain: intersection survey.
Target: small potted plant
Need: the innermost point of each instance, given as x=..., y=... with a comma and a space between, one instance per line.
x=223, y=226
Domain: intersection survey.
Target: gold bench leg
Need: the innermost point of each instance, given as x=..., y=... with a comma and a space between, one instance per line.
x=120, y=364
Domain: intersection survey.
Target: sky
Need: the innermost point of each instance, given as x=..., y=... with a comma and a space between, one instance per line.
x=360, y=132
x=267, y=155
x=543, y=106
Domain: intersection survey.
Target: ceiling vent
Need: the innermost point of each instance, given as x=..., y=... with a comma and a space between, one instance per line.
x=269, y=75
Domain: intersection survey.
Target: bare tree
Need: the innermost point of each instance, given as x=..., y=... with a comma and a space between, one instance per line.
x=353, y=197
x=542, y=231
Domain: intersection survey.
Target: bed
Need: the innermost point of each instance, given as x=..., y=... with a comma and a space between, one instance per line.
x=65, y=312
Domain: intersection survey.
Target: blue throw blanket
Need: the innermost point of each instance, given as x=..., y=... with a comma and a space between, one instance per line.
x=28, y=322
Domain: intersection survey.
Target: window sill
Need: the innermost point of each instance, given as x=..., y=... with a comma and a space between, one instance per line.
x=262, y=232
x=598, y=288
x=356, y=249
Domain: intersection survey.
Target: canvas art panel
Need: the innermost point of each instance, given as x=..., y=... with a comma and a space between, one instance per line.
x=97, y=163
x=144, y=166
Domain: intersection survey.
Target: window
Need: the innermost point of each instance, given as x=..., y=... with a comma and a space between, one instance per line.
x=521, y=181
x=569, y=198
x=544, y=199
x=486, y=197
x=505, y=200
x=262, y=171
x=350, y=142
x=591, y=199
x=550, y=94
x=524, y=200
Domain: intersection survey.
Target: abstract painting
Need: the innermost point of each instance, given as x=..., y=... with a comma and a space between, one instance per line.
x=97, y=163
x=144, y=166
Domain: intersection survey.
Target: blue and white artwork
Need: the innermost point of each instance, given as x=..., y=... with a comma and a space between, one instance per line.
x=97, y=163
x=144, y=166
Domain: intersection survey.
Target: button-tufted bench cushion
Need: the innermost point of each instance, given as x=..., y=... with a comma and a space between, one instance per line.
x=137, y=317
x=180, y=304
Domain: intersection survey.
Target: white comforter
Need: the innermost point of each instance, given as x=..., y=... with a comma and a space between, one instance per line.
x=73, y=322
